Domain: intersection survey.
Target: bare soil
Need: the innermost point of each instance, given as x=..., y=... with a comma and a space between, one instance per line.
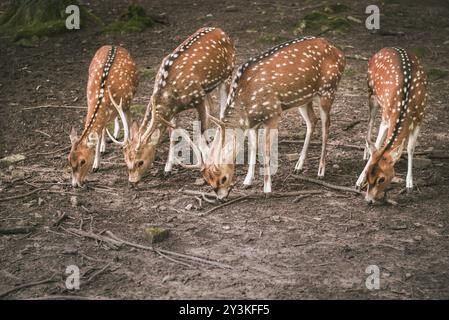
x=316, y=247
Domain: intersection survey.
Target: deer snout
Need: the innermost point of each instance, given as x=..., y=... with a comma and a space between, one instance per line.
x=75, y=182
x=222, y=194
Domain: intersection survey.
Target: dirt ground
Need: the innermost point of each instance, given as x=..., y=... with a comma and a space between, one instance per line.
x=278, y=248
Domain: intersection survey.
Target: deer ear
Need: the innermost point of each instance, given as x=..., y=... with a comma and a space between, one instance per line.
x=396, y=153
x=92, y=140
x=73, y=135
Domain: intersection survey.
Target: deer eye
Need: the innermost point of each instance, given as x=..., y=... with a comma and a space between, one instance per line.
x=223, y=180
x=381, y=180
x=140, y=163
x=82, y=162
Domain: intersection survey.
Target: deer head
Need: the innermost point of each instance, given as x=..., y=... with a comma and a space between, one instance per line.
x=217, y=162
x=140, y=152
x=81, y=156
x=380, y=171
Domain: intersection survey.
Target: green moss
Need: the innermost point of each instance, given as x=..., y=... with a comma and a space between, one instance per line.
x=420, y=52
x=133, y=20
x=322, y=20
x=147, y=73
x=436, y=74
x=27, y=19
x=138, y=110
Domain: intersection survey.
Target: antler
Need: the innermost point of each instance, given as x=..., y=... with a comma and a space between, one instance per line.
x=123, y=118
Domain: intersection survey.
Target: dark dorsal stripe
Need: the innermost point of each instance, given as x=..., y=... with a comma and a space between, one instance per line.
x=178, y=51
x=241, y=70
x=106, y=69
x=406, y=68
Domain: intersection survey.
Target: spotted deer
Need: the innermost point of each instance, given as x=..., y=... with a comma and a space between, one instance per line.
x=184, y=81
x=397, y=83
x=112, y=76
x=295, y=74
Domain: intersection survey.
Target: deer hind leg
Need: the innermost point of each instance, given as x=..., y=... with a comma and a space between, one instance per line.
x=266, y=162
x=171, y=155
x=103, y=141
x=410, y=150
x=252, y=151
x=373, y=107
x=325, y=106
x=223, y=97
x=116, y=127
x=309, y=117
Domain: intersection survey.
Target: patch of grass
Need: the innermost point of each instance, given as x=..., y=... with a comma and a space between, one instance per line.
x=147, y=73
x=133, y=20
x=436, y=74
x=272, y=38
x=322, y=20
x=420, y=52
x=349, y=72
x=138, y=110
x=26, y=20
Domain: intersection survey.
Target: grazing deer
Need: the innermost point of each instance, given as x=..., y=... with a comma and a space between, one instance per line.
x=112, y=75
x=291, y=75
x=184, y=81
x=397, y=82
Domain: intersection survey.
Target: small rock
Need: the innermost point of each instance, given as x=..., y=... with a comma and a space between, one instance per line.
x=336, y=166
x=418, y=225
x=210, y=15
x=168, y=278
x=408, y=275
x=74, y=201
x=40, y=201
x=13, y=158
x=231, y=8
x=417, y=238
x=162, y=208
x=421, y=163
x=226, y=227
x=37, y=215
x=189, y=206
x=156, y=234
x=292, y=156
x=276, y=218
x=317, y=218
x=30, y=204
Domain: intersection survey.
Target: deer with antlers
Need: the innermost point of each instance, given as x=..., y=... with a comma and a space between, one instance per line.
x=295, y=74
x=184, y=81
x=397, y=83
x=112, y=76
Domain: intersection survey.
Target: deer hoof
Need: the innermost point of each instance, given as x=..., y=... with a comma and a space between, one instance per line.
x=95, y=169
